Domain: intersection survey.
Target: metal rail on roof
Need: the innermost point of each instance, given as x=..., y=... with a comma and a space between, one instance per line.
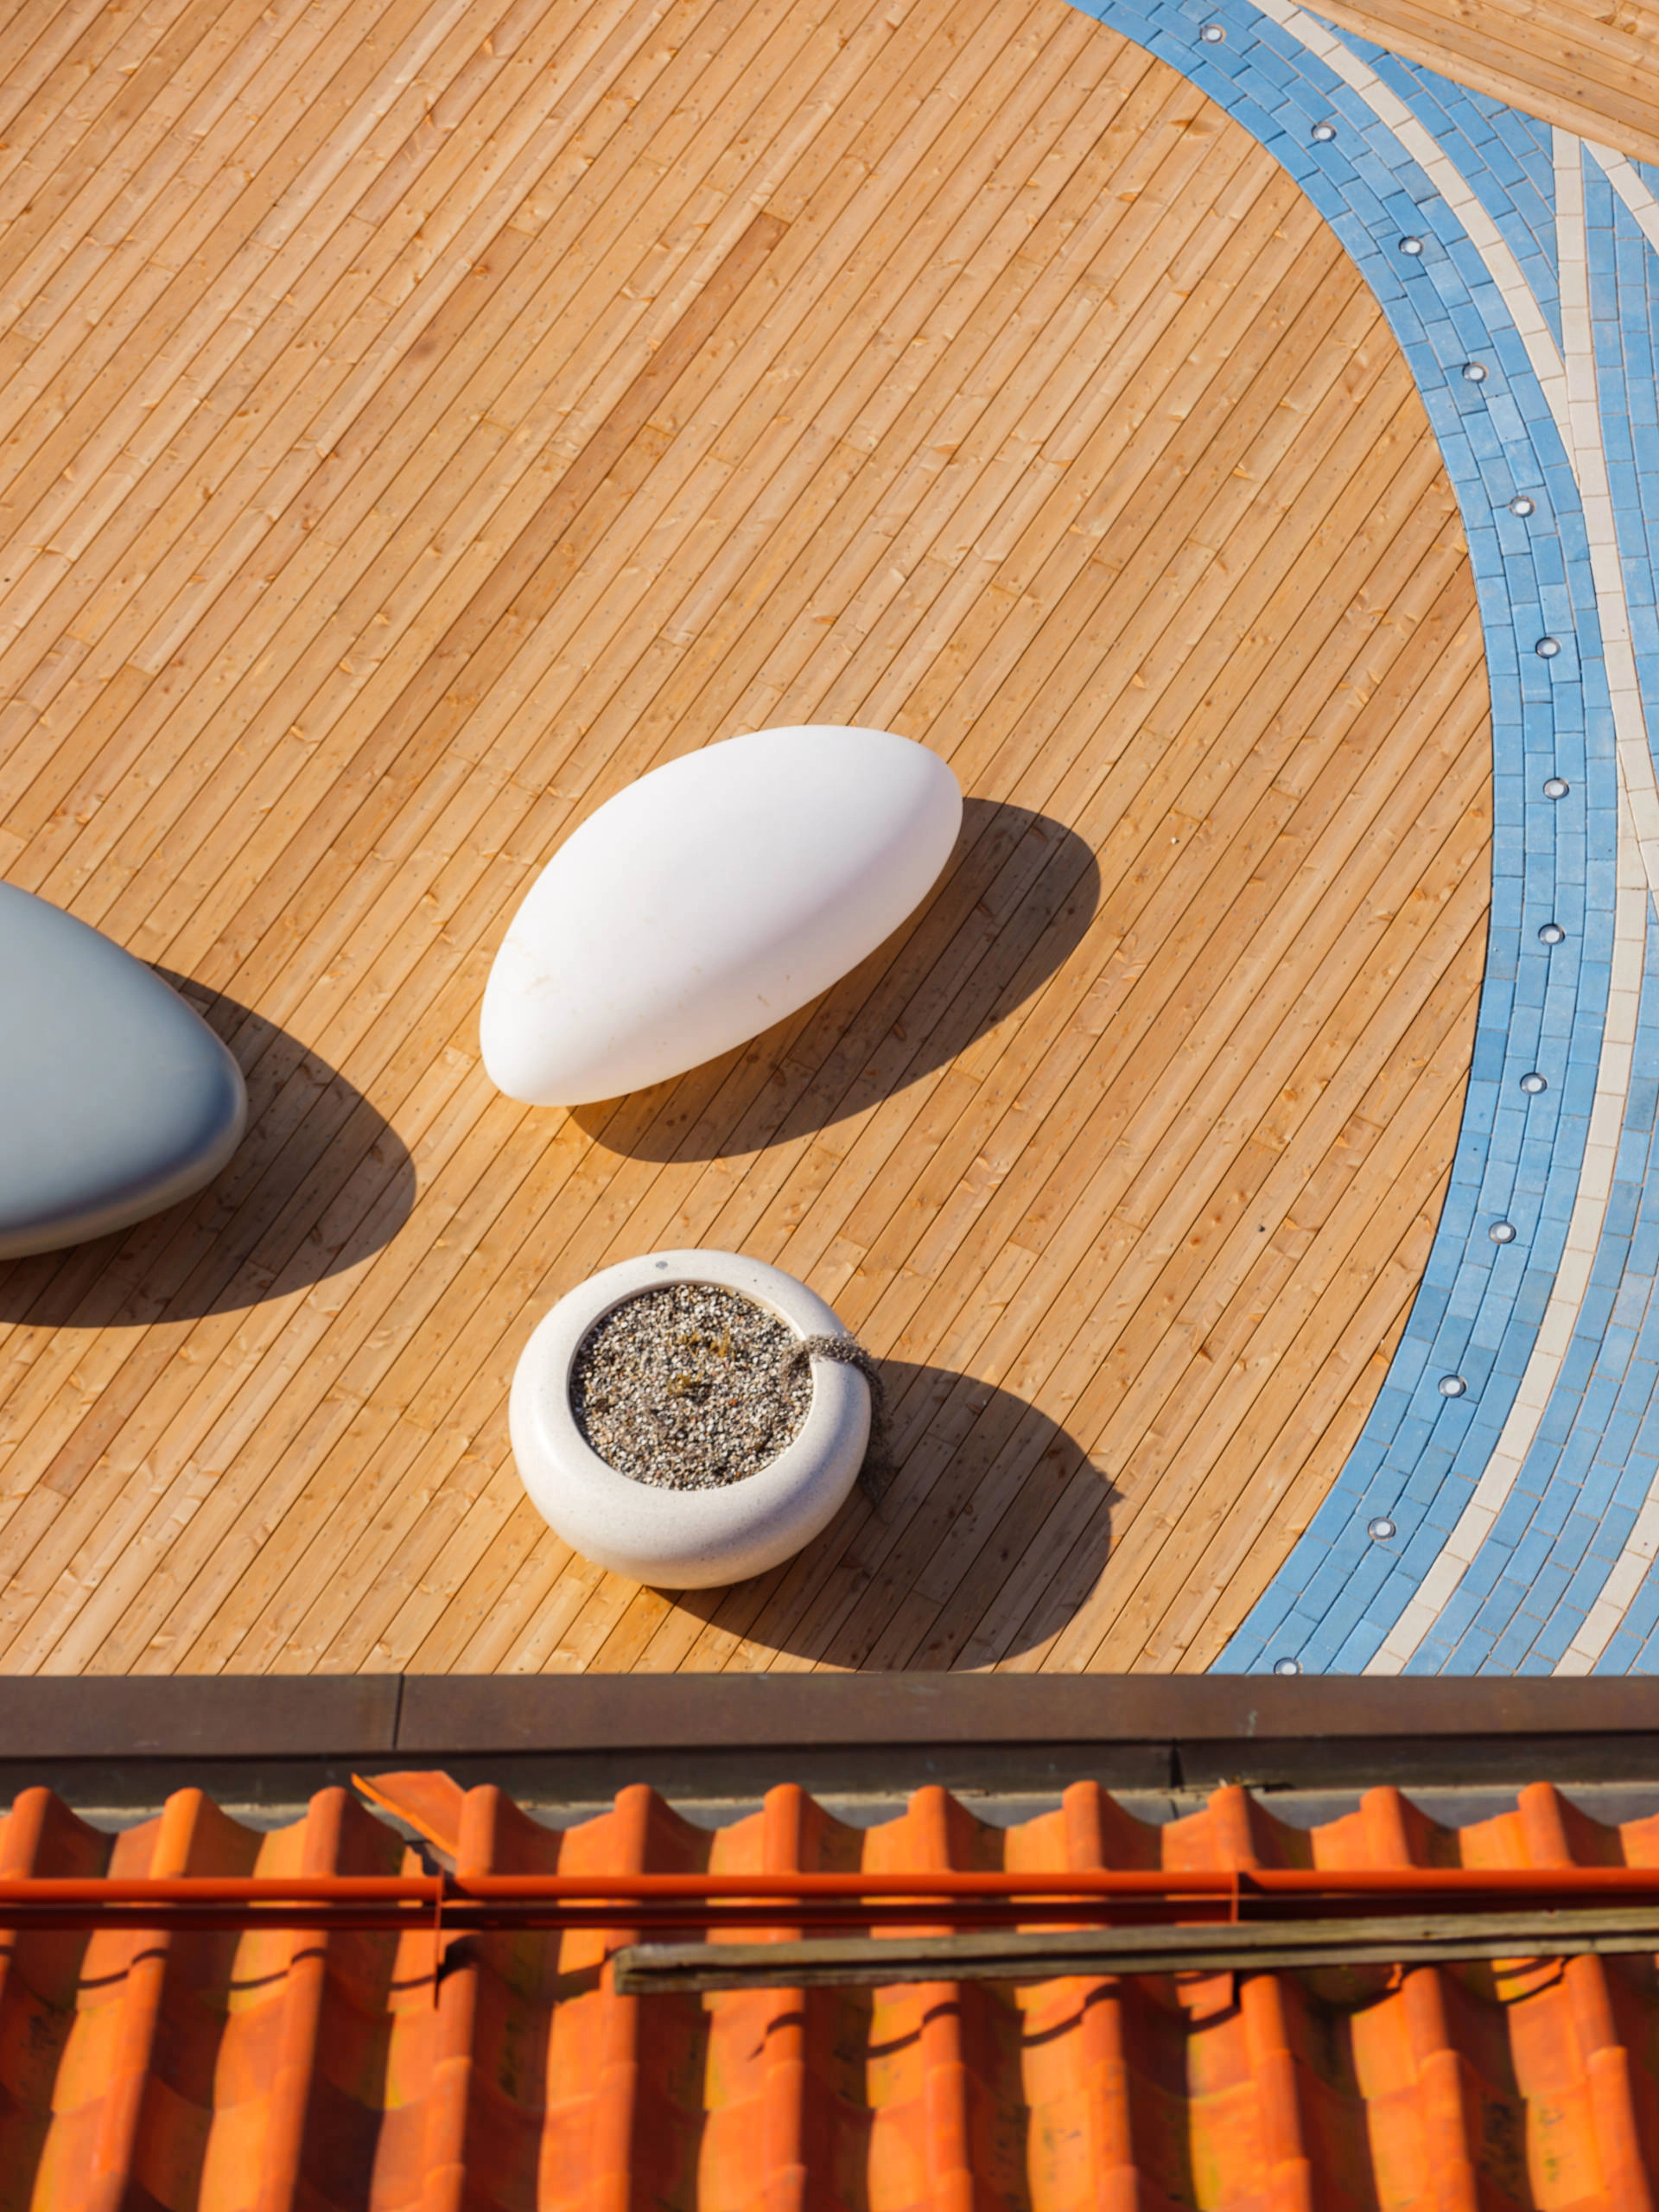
x=660, y=1969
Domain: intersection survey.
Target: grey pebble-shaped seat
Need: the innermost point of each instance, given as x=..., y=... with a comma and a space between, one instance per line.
x=116, y=1097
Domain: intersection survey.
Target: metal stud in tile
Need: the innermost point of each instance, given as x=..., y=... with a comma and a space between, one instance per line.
x=1533, y=1084
x=1286, y=1666
x=1490, y=444
x=1474, y=372
x=1546, y=648
x=1213, y=33
x=1380, y=1529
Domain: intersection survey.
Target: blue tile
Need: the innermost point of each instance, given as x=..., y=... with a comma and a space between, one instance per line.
x=1480, y=1308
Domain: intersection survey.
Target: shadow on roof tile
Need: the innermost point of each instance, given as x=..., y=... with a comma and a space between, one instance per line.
x=248, y=2073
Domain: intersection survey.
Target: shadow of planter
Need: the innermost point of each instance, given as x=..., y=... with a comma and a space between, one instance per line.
x=989, y=1532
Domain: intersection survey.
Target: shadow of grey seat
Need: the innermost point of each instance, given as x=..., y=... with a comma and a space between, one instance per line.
x=116, y=1097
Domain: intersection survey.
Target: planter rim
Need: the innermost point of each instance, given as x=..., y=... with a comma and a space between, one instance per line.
x=685, y=1539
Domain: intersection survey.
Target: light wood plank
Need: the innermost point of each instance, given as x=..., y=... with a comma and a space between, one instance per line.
x=481, y=410
x=1589, y=67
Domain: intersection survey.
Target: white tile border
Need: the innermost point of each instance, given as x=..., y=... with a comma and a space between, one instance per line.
x=1631, y=187
x=1566, y=1294
x=1630, y=721
x=1638, y=879
x=1566, y=376
x=1454, y=187
x=1624, y=1579
x=1588, y=455
x=1629, y=1570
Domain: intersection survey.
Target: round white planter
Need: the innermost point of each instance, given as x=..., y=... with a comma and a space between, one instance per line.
x=685, y=1539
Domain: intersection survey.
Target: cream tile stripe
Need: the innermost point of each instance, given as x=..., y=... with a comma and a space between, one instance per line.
x=1566, y=376
x=1632, y=189
x=1638, y=873
x=1569, y=385
x=1449, y=181
x=1440, y=1582
x=1623, y=1582
x=1589, y=458
x=1628, y=1571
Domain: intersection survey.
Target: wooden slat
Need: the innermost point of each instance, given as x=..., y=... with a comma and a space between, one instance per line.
x=483, y=404
x=1589, y=67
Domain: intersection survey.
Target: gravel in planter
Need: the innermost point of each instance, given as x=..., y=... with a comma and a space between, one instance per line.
x=689, y=1387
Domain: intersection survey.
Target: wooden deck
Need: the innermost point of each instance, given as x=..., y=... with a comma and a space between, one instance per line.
x=1589, y=66
x=420, y=417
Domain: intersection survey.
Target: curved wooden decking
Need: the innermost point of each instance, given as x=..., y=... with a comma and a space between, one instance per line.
x=418, y=418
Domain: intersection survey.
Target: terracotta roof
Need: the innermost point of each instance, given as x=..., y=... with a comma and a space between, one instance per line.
x=293, y=2069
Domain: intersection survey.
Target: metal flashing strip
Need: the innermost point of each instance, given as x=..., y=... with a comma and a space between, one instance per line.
x=277, y=1716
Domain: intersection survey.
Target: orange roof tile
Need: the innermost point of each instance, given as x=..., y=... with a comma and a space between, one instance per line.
x=249, y=2072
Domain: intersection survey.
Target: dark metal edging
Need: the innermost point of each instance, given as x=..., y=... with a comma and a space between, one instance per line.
x=275, y=1737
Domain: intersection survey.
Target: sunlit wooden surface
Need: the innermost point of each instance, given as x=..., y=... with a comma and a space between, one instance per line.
x=419, y=418
x=1591, y=66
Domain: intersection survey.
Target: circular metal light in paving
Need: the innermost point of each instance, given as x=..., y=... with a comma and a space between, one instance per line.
x=1552, y=933
x=1521, y=506
x=1213, y=33
x=1533, y=1084
x=669, y=1537
x=1286, y=1666
x=1474, y=372
x=1453, y=1386
x=1413, y=246
x=1380, y=1529
x=1557, y=787
x=1546, y=648
x=1323, y=133
x=1502, y=1232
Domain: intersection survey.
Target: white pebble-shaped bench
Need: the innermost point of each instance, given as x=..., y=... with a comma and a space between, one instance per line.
x=685, y=1539
x=707, y=901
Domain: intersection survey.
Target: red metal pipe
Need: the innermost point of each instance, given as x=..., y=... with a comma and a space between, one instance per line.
x=1060, y=1881
x=645, y=1902
x=917, y=1887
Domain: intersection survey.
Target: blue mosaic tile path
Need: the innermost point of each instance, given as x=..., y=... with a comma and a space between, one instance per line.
x=1510, y=1465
